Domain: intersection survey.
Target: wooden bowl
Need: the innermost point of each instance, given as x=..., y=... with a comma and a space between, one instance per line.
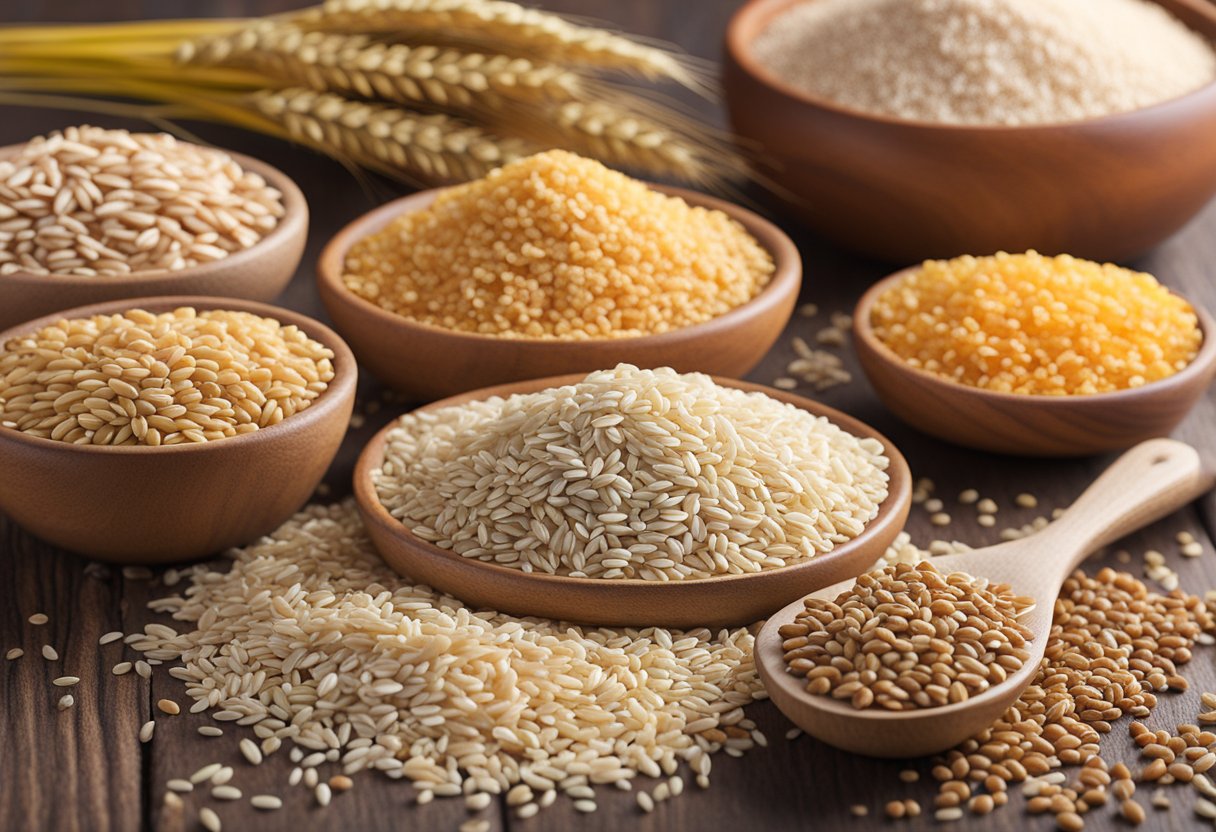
x=1028, y=425
x=709, y=602
x=257, y=273
x=142, y=504
x=1106, y=188
x=428, y=362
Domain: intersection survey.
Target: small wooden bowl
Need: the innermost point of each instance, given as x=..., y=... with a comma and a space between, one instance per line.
x=428, y=362
x=258, y=273
x=1027, y=425
x=142, y=504
x=710, y=602
x=1105, y=188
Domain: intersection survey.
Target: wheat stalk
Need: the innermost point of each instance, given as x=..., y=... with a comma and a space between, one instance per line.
x=387, y=138
x=359, y=65
x=506, y=27
x=619, y=135
x=474, y=67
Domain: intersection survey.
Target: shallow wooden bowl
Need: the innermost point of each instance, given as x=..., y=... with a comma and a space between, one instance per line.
x=1025, y=425
x=140, y=504
x=428, y=362
x=1107, y=188
x=258, y=273
x=711, y=602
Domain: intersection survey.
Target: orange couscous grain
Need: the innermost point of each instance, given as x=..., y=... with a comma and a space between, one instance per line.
x=1031, y=324
x=558, y=246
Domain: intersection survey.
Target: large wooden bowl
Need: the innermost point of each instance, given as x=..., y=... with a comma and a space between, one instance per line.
x=1026, y=425
x=428, y=362
x=1105, y=189
x=258, y=273
x=710, y=602
x=142, y=504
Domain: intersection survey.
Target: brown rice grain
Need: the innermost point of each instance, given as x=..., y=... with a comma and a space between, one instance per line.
x=169, y=178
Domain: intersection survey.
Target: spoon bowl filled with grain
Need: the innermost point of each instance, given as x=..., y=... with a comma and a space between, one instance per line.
x=631, y=496
x=164, y=429
x=908, y=129
x=1033, y=355
x=556, y=264
x=91, y=215
x=913, y=659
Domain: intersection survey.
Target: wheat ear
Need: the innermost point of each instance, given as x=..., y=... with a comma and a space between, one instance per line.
x=507, y=27
x=387, y=138
x=359, y=65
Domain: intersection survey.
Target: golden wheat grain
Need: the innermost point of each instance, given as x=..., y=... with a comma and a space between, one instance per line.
x=432, y=147
x=509, y=27
x=615, y=134
x=360, y=65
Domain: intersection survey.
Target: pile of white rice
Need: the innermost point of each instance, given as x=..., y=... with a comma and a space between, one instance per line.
x=310, y=639
x=632, y=474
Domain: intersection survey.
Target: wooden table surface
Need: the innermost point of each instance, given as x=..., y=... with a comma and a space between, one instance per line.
x=84, y=768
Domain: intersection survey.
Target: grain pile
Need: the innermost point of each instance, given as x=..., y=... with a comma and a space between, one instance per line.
x=93, y=202
x=1113, y=646
x=989, y=62
x=908, y=637
x=631, y=474
x=139, y=378
x=1025, y=323
x=310, y=639
x=558, y=246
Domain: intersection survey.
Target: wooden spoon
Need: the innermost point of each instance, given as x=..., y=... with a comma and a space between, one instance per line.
x=1148, y=482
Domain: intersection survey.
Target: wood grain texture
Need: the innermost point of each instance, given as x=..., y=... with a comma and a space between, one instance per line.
x=84, y=769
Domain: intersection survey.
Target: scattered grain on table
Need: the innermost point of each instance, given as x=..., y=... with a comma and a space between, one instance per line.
x=324, y=575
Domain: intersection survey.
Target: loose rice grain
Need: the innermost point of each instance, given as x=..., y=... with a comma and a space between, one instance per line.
x=333, y=601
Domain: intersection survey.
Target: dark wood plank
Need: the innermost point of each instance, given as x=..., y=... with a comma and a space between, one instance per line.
x=80, y=768
x=86, y=769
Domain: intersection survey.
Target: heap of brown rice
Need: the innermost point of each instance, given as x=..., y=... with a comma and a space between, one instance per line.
x=93, y=202
x=632, y=474
x=309, y=638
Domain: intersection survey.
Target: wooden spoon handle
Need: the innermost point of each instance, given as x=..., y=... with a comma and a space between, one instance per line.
x=1148, y=482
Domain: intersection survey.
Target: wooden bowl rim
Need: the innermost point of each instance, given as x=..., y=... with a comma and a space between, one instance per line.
x=786, y=279
x=1193, y=373
x=294, y=222
x=323, y=407
x=768, y=642
x=899, y=492
x=738, y=50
